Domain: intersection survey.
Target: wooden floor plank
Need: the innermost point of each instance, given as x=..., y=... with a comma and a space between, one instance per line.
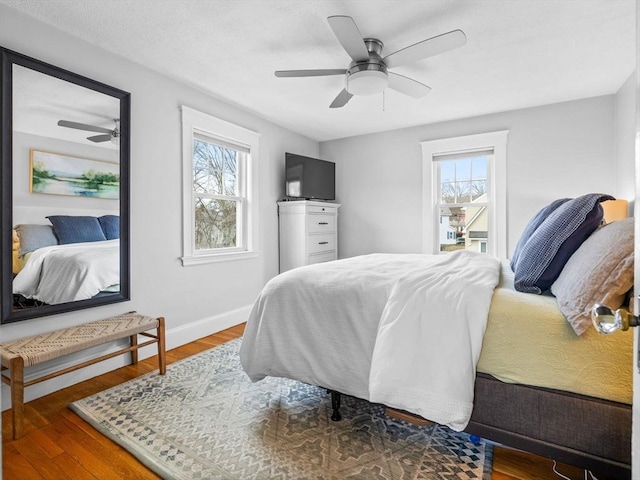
x=74, y=469
x=102, y=468
x=75, y=450
x=30, y=449
x=14, y=465
x=47, y=444
x=510, y=464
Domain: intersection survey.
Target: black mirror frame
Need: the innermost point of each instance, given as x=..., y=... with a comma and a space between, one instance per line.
x=10, y=58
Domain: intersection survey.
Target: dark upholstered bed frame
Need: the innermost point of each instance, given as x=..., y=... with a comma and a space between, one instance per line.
x=587, y=432
x=574, y=429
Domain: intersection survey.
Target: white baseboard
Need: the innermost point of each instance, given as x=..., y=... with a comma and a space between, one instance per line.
x=175, y=337
x=207, y=326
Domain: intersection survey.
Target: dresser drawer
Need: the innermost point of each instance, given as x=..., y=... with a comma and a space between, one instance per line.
x=311, y=209
x=321, y=223
x=321, y=257
x=321, y=243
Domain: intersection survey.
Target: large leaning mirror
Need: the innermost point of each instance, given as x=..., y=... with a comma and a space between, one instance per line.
x=65, y=190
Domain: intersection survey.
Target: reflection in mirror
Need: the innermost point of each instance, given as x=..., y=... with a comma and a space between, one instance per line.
x=66, y=173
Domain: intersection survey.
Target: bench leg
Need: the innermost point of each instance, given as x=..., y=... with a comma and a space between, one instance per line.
x=16, y=370
x=162, y=357
x=134, y=352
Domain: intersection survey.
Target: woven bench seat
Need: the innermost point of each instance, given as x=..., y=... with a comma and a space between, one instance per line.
x=30, y=351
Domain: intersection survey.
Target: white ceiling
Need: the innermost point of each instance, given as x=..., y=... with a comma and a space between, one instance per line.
x=519, y=53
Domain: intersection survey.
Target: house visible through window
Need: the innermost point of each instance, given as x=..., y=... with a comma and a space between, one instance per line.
x=462, y=206
x=464, y=193
x=220, y=191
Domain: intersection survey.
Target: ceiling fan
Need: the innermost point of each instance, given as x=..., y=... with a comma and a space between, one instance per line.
x=108, y=135
x=369, y=73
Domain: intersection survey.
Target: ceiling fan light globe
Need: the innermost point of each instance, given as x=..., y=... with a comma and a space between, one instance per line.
x=367, y=82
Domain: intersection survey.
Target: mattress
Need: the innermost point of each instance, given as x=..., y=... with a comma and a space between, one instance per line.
x=528, y=341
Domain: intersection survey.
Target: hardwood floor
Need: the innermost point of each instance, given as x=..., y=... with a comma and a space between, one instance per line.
x=59, y=445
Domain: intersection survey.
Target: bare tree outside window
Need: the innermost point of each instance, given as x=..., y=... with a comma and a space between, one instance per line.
x=216, y=195
x=463, y=191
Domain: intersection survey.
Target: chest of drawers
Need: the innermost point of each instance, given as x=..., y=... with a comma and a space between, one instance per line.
x=308, y=233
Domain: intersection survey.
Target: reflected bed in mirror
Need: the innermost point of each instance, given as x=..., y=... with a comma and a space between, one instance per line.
x=65, y=190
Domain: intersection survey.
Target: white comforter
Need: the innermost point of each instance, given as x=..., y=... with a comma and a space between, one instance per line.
x=66, y=273
x=403, y=330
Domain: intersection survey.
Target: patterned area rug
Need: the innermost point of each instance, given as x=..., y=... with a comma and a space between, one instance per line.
x=205, y=420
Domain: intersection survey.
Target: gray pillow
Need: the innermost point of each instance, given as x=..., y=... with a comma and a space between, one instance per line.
x=33, y=237
x=600, y=271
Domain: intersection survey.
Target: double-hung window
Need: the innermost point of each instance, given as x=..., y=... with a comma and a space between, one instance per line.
x=220, y=216
x=218, y=193
x=464, y=194
x=462, y=207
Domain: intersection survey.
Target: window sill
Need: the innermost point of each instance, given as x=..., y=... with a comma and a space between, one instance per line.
x=217, y=257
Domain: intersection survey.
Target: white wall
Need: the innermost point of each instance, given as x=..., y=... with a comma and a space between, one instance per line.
x=559, y=150
x=195, y=300
x=625, y=132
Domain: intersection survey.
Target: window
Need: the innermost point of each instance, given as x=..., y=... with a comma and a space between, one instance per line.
x=218, y=193
x=464, y=194
x=462, y=204
x=220, y=212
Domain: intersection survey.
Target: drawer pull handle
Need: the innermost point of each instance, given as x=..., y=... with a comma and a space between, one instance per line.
x=322, y=243
x=323, y=223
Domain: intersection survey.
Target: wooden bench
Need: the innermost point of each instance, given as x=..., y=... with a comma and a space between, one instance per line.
x=27, y=352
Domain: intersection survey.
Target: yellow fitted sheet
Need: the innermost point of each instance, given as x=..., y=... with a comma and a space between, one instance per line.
x=528, y=341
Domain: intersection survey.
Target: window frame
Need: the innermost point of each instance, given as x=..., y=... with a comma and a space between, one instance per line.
x=496, y=186
x=196, y=122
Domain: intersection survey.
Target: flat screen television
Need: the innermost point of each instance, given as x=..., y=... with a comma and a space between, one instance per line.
x=309, y=178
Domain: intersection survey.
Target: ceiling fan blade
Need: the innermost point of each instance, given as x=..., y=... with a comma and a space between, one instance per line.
x=341, y=100
x=309, y=73
x=100, y=138
x=83, y=126
x=408, y=86
x=346, y=30
x=426, y=48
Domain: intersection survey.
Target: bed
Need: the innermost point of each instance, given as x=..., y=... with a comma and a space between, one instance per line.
x=74, y=258
x=537, y=377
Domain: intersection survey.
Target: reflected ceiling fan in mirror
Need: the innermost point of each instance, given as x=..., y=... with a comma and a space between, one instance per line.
x=369, y=73
x=108, y=135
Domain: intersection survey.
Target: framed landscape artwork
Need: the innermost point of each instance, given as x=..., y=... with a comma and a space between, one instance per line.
x=58, y=174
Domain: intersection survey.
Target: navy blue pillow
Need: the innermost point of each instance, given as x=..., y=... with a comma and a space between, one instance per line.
x=72, y=229
x=532, y=226
x=110, y=226
x=554, y=241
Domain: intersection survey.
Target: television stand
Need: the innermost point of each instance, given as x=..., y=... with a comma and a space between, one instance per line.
x=308, y=232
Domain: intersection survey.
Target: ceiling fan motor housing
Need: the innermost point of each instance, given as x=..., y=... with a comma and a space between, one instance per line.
x=370, y=76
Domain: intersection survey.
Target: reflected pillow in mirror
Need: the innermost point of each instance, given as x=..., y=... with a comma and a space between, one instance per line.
x=600, y=271
x=76, y=229
x=33, y=237
x=110, y=226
